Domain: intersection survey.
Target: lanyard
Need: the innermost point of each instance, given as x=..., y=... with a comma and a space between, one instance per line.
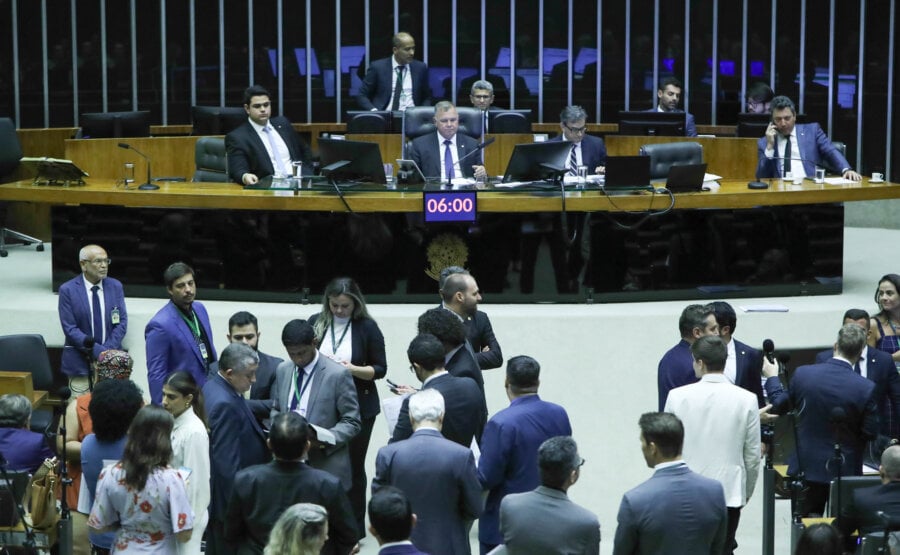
x=194, y=325
x=298, y=391
x=334, y=346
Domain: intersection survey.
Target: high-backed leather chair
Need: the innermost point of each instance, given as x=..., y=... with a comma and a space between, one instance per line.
x=509, y=122
x=471, y=122
x=665, y=155
x=209, y=157
x=28, y=353
x=10, y=155
x=369, y=122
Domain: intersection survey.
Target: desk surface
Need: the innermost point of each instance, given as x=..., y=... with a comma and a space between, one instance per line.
x=732, y=194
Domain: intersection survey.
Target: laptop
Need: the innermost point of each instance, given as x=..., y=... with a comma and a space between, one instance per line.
x=627, y=174
x=686, y=178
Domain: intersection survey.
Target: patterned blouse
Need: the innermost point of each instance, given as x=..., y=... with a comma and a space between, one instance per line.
x=146, y=520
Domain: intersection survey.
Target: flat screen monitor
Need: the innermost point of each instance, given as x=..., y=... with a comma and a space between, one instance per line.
x=300, y=55
x=365, y=160
x=106, y=125
x=643, y=123
x=216, y=120
x=754, y=125
x=352, y=57
x=537, y=161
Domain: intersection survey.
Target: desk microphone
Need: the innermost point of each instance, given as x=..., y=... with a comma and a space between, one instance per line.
x=328, y=171
x=478, y=148
x=148, y=186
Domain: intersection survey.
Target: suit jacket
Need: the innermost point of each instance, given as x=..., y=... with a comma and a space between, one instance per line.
x=401, y=550
x=881, y=371
x=438, y=476
x=464, y=365
x=816, y=391
x=427, y=152
x=860, y=512
x=236, y=440
x=816, y=149
x=367, y=349
x=170, y=347
x=748, y=370
x=260, y=400
x=480, y=333
x=261, y=493
x=675, y=512
x=721, y=433
x=509, y=447
x=564, y=526
x=246, y=153
x=676, y=368
x=593, y=151
x=690, y=127
x=464, y=410
x=75, y=318
x=378, y=85
x=332, y=405
x=24, y=449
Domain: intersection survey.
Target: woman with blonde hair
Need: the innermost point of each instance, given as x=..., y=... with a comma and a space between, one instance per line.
x=302, y=529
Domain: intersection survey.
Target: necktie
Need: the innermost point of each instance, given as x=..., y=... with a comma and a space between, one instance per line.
x=573, y=160
x=786, y=165
x=398, y=89
x=275, y=154
x=98, y=316
x=857, y=368
x=448, y=159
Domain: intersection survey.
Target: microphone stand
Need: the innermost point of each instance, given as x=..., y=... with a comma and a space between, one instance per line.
x=328, y=171
x=30, y=543
x=148, y=186
x=64, y=526
x=768, y=538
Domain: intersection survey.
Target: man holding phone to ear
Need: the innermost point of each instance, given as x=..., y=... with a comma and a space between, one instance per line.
x=797, y=148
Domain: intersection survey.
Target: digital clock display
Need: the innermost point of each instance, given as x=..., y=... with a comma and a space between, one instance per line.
x=449, y=206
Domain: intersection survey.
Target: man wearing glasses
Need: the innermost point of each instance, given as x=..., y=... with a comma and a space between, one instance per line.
x=92, y=314
x=587, y=150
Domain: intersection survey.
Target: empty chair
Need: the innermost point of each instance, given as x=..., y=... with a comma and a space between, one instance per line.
x=509, y=122
x=106, y=125
x=209, y=158
x=369, y=122
x=10, y=155
x=28, y=353
x=665, y=155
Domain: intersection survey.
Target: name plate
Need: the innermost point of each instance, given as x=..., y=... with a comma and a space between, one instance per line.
x=449, y=206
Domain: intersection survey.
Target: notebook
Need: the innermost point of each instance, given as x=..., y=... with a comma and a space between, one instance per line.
x=686, y=178
x=627, y=173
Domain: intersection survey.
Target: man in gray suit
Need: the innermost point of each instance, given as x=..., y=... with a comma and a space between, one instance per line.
x=321, y=390
x=675, y=512
x=564, y=526
x=437, y=475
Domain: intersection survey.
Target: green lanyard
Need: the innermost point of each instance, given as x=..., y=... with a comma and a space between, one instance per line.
x=334, y=346
x=194, y=325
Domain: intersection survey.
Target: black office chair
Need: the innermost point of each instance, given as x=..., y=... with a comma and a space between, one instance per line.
x=10, y=155
x=209, y=157
x=849, y=484
x=28, y=353
x=369, y=122
x=665, y=155
x=509, y=122
x=471, y=122
x=417, y=121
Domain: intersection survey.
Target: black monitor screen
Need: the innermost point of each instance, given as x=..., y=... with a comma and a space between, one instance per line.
x=754, y=125
x=107, y=125
x=216, y=120
x=536, y=161
x=642, y=123
x=365, y=160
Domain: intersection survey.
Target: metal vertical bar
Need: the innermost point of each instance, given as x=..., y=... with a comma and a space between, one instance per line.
x=134, y=71
x=802, y=101
x=655, y=51
x=512, y=54
x=540, y=60
x=774, y=19
x=687, y=52
x=15, y=62
x=192, y=51
x=221, y=52
x=74, y=26
x=164, y=63
x=104, y=78
x=627, y=50
x=483, y=38
x=338, y=82
x=308, y=53
x=861, y=64
x=744, y=68
x=598, y=80
x=892, y=26
x=424, y=26
x=45, y=75
x=367, y=26
x=569, y=79
x=454, y=44
x=251, y=49
x=831, y=97
x=715, y=64
x=279, y=31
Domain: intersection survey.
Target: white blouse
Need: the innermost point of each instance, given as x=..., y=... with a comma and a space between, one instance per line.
x=190, y=449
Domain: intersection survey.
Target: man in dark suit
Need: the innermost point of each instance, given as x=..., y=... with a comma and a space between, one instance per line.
x=261, y=493
x=565, y=527
x=441, y=154
x=436, y=474
x=392, y=521
x=179, y=336
x=676, y=511
x=459, y=358
x=263, y=145
x=465, y=410
x=878, y=367
x=744, y=363
x=860, y=512
x=236, y=439
x=809, y=147
x=676, y=368
x=509, y=446
x=587, y=150
x=460, y=295
x=378, y=88
x=834, y=405
x=243, y=328
x=321, y=390
x=77, y=298
x=668, y=96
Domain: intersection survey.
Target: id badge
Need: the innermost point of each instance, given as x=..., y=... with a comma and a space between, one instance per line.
x=114, y=316
x=202, y=347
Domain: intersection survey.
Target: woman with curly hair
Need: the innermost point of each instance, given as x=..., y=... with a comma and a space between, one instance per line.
x=141, y=497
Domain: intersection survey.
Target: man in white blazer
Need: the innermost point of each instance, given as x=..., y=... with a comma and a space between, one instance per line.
x=721, y=428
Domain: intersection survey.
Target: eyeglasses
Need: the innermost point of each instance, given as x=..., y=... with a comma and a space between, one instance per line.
x=100, y=261
x=482, y=96
x=576, y=130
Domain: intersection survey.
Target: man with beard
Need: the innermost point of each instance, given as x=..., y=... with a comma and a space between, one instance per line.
x=460, y=295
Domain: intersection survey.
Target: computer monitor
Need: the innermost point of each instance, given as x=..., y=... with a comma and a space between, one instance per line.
x=216, y=120
x=536, y=161
x=107, y=125
x=643, y=123
x=365, y=160
x=754, y=125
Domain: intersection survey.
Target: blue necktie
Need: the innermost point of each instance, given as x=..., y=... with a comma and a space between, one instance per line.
x=573, y=160
x=98, y=316
x=448, y=159
x=275, y=154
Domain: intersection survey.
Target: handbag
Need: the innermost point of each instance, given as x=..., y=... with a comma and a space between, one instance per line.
x=44, y=490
